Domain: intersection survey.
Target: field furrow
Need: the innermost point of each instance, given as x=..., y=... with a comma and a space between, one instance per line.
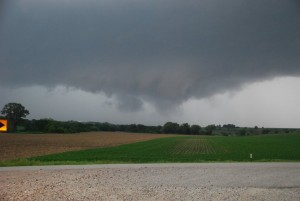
x=193, y=145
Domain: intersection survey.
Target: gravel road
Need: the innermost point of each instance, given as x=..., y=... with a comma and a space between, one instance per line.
x=203, y=181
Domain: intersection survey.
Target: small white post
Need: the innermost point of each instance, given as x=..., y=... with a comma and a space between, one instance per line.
x=250, y=156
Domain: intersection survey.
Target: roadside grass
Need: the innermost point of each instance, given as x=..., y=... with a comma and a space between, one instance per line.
x=178, y=149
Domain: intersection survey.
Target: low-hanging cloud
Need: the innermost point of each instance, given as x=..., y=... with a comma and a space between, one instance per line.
x=160, y=51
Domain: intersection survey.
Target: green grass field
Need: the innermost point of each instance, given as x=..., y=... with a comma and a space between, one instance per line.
x=186, y=149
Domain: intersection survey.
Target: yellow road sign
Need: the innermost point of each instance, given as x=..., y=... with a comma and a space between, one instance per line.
x=3, y=125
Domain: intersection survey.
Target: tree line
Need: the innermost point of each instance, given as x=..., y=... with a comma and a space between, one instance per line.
x=53, y=126
x=15, y=113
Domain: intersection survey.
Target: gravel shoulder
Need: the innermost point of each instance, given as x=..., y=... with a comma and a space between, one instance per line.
x=198, y=181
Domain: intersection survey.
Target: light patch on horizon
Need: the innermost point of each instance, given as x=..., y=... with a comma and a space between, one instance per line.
x=271, y=103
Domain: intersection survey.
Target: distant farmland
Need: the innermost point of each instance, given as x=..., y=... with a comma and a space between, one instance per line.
x=16, y=146
x=114, y=147
x=189, y=149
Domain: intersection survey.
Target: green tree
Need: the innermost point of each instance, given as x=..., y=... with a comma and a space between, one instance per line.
x=229, y=126
x=170, y=127
x=195, y=129
x=242, y=132
x=209, y=129
x=184, y=128
x=14, y=112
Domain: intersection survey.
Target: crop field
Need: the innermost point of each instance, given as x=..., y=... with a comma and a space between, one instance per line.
x=16, y=146
x=188, y=149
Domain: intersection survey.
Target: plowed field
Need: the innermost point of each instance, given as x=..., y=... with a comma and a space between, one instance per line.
x=13, y=146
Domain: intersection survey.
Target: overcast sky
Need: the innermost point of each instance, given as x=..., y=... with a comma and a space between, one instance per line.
x=141, y=61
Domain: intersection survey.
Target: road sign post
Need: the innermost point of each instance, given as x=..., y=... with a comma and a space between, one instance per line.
x=3, y=125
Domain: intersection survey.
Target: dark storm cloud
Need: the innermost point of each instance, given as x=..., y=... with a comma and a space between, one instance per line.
x=128, y=103
x=164, y=51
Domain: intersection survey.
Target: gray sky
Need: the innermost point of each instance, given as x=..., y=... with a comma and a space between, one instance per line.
x=138, y=61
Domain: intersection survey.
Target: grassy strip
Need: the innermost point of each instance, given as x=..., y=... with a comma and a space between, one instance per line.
x=181, y=149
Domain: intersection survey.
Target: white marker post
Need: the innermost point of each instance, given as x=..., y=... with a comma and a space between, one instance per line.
x=250, y=156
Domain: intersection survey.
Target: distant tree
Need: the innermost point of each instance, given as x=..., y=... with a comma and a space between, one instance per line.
x=170, y=127
x=195, y=129
x=155, y=129
x=55, y=127
x=229, y=126
x=107, y=127
x=39, y=125
x=242, y=132
x=132, y=128
x=209, y=129
x=266, y=131
x=184, y=128
x=141, y=128
x=14, y=112
x=218, y=127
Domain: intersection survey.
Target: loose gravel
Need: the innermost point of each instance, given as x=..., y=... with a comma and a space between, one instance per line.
x=204, y=181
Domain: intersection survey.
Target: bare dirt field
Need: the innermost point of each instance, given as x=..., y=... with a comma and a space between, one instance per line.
x=204, y=181
x=13, y=146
